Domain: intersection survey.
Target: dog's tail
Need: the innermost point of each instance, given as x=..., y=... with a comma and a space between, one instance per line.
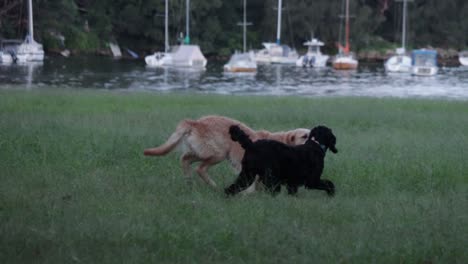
x=183, y=128
x=237, y=134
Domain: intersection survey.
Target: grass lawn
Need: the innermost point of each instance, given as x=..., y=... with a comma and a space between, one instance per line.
x=76, y=188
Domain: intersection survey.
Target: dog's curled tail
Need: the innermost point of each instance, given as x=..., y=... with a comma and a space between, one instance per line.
x=183, y=128
x=237, y=134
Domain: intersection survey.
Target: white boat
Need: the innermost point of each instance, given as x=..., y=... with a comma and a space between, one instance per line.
x=275, y=52
x=188, y=56
x=159, y=59
x=313, y=58
x=400, y=62
x=463, y=58
x=345, y=60
x=30, y=50
x=10, y=52
x=5, y=57
x=245, y=61
x=424, y=62
x=241, y=62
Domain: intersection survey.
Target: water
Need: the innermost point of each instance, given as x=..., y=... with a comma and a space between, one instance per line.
x=133, y=75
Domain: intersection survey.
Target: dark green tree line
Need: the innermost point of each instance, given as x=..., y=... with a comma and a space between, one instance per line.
x=139, y=24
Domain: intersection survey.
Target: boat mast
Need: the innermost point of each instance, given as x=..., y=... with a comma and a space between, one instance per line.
x=278, y=33
x=187, y=22
x=403, y=37
x=245, y=26
x=346, y=50
x=30, y=20
x=166, y=28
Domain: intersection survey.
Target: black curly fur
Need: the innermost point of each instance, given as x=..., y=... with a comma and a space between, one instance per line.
x=279, y=164
x=240, y=136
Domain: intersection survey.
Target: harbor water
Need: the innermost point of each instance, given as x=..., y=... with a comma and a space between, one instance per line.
x=369, y=80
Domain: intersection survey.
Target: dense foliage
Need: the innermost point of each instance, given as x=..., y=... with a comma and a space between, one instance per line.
x=139, y=24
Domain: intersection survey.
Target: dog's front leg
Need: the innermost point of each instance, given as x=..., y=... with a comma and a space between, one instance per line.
x=252, y=188
x=271, y=181
x=325, y=185
x=243, y=180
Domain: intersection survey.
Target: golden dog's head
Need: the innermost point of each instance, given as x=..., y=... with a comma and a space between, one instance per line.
x=297, y=136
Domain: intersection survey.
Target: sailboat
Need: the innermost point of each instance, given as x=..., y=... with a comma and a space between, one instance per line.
x=275, y=52
x=345, y=60
x=159, y=59
x=245, y=61
x=30, y=50
x=5, y=55
x=23, y=51
x=187, y=55
x=400, y=62
x=463, y=58
x=313, y=58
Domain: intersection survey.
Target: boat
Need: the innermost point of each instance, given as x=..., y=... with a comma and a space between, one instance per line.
x=241, y=62
x=463, y=58
x=345, y=60
x=5, y=56
x=400, y=62
x=188, y=56
x=30, y=50
x=313, y=58
x=159, y=59
x=245, y=61
x=275, y=52
x=424, y=62
x=10, y=52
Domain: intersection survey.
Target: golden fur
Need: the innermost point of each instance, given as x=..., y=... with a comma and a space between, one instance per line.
x=207, y=141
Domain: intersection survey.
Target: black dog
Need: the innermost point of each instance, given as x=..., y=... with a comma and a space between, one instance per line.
x=277, y=163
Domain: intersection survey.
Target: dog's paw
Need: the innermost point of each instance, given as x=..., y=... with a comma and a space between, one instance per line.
x=330, y=187
x=229, y=191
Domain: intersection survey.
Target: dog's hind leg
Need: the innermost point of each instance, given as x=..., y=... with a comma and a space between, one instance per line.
x=186, y=161
x=203, y=168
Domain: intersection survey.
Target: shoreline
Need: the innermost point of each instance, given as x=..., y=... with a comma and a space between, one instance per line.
x=445, y=57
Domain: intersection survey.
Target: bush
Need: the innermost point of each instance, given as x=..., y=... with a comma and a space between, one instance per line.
x=84, y=41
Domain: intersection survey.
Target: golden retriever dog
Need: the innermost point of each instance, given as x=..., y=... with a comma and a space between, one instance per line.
x=207, y=140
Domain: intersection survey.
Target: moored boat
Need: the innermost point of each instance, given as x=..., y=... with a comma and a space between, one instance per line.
x=314, y=57
x=345, y=60
x=424, y=62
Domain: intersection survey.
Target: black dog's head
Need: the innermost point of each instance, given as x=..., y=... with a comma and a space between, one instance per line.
x=324, y=136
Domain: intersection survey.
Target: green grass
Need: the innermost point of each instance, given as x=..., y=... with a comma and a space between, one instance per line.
x=75, y=187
